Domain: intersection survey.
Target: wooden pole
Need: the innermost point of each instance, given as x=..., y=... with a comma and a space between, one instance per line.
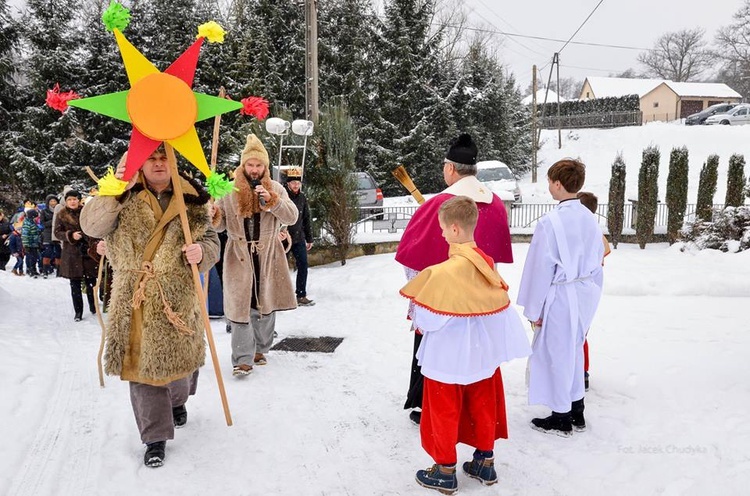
x=215, y=140
x=177, y=188
x=311, y=60
x=99, y=317
x=559, y=129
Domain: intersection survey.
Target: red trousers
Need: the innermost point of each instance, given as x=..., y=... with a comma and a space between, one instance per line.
x=473, y=414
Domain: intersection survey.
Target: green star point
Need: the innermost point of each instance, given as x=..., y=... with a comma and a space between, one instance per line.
x=112, y=105
x=211, y=106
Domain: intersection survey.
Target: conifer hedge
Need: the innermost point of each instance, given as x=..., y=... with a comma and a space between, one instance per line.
x=707, y=189
x=735, y=181
x=677, y=187
x=648, y=191
x=615, y=212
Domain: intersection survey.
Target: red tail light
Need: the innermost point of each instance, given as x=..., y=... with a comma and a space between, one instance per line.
x=378, y=194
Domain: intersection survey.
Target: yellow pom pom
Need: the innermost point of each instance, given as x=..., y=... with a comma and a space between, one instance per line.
x=212, y=32
x=109, y=185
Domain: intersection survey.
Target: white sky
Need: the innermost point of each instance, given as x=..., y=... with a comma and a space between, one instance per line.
x=636, y=23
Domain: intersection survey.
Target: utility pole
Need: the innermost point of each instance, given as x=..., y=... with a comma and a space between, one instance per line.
x=556, y=60
x=311, y=60
x=533, y=125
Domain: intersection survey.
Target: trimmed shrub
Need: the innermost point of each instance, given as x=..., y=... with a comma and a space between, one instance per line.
x=615, y=212
x=707, y=189
x=677, y=189
x=730, y=231
x=648, y=194
x=735, y=181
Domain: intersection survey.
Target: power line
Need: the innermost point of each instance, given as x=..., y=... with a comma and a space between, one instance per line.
x=509, y=25
x=579, y=27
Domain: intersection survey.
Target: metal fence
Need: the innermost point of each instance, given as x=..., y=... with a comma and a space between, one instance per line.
x=599, y=119
x=520, y=216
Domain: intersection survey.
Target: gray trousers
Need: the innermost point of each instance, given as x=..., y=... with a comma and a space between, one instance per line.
x=152, y=406
x=254, y=337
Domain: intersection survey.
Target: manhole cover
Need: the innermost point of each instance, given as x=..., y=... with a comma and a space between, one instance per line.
x=325, y=344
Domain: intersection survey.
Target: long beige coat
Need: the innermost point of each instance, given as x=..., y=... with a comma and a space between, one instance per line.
x=276, y=291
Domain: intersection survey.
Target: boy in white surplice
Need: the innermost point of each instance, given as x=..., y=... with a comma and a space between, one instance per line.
x=560, y=290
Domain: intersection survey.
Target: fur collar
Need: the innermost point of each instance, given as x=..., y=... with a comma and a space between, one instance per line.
x=247, y=201
x=70, y=218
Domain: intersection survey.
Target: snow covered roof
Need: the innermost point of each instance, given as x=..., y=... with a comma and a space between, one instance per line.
x=551, y=97
x=717, y=90
x=604, y=87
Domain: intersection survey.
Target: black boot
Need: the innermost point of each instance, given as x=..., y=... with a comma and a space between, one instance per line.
x=75, y=293
x=179, y=415
x=557, y=423
x=576, y=416
x=154, y=456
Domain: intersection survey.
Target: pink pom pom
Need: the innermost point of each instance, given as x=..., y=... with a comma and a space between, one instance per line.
x=255, y=106
x=59, y=100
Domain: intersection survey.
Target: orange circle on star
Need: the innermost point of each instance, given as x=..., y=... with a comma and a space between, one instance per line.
x=162, y=107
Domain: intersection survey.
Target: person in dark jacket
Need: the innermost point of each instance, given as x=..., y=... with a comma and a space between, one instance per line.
x=301, y=233
x=50, y=248
x=75, y=263
x=5, y=230
x=16, y=248
x=31, y=233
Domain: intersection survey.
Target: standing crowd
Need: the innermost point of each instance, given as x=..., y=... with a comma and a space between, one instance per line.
x=461, y=315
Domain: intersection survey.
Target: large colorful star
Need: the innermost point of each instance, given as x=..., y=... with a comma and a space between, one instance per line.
x=161, y=106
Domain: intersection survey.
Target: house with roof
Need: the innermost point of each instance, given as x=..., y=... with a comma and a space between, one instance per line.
x=660, y=99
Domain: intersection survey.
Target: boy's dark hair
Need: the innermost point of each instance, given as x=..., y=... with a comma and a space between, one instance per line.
x=588, y=200
x=570, y=172
x=460, y=210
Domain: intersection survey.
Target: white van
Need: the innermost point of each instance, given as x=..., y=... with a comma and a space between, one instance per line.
x=499, y=178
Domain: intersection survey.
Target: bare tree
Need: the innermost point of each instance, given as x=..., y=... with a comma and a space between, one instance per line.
x=733, y=43
x=678, y=56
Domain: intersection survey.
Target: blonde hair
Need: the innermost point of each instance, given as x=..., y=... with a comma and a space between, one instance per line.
x=460, y=210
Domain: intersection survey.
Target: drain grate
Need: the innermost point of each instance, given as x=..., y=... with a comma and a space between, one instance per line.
x=325, y=344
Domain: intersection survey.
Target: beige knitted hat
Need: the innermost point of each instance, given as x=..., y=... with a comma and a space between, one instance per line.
x=254, y=149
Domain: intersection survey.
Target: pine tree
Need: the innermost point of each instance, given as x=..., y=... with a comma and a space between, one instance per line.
x=615, y=213
x=707, y=189
x=331, y=186
x=677, y=188
x=735, y=181
x=648, y=193
x=9, y=44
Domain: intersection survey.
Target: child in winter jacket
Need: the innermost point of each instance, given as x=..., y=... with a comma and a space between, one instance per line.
x=16, y=249
x=32, y=240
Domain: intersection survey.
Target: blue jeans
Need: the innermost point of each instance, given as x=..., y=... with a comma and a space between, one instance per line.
x=299, y=250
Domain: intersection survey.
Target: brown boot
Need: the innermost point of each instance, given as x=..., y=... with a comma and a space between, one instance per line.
x=260, y=359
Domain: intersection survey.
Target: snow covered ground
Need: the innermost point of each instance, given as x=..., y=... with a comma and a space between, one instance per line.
x=667, y=410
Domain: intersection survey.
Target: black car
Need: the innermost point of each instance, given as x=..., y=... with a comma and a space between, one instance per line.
x=700, y=117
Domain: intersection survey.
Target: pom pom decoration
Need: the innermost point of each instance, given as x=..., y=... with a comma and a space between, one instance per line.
x=59, y=100
x=255, y=106
x=212, y=31
x=218, y=185
x=116, y=17
x=109, y=185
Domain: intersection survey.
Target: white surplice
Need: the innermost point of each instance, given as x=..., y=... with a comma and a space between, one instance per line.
x=562, y=284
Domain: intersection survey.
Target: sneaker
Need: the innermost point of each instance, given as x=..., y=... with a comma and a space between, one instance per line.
x=482, y=469
x=441, y=478
x=577, y=420
x=303, y=301
x=557, y=423
x=415, y=416
x=260, y=359
x=242, y=370
x=154, y=456
x=179, y=414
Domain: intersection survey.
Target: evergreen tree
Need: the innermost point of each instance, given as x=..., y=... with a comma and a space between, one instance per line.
x=648, y=193
x=707, y=189
x=9, y=43
x=677, y=188
x=331, y=185
x=735, y=181
x=615, y=213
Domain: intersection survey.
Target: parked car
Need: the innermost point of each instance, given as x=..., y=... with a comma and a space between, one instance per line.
x=700, y=117
x=499, y=178
x=737, y=116
x=369, y=195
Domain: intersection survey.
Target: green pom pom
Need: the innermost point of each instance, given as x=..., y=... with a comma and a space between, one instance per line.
x=218, y=185
x=116, y=17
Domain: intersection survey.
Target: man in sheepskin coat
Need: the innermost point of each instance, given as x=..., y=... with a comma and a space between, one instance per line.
x=155, y=330
x=257, y=282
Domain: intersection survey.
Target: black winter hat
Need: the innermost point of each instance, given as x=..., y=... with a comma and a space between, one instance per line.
x=462, y=150
x=73, y=192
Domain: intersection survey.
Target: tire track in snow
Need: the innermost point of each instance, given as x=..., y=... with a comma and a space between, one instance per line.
x=59, y=458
